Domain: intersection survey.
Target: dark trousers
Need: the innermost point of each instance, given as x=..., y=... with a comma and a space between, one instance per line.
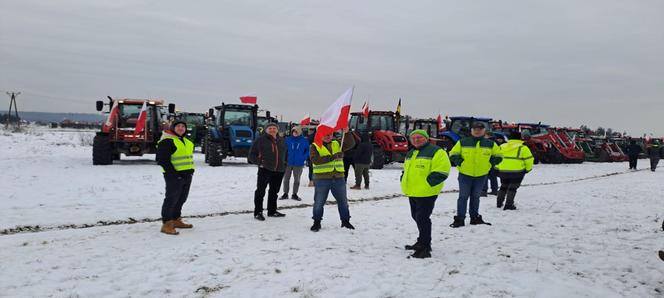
x=348, y=161
x=420, y=211
x=632, y=162
x=509, y=183
x=469, y=188
x=493, y=178
x=177, y=191
x=273, y=180
x=654, y=160
x=361, y=171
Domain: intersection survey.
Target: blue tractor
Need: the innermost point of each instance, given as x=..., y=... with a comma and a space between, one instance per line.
x=459, y=127
x=231, y=132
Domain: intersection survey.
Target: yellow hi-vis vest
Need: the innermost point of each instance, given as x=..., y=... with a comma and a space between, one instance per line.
x=329, y=167
x=183, y=157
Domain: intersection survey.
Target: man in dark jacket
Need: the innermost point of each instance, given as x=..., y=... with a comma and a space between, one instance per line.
x=175, y=156
x=349, y=156
x=655, y=153
x=362, y=160
x=633, y=151
x=298, y=152
x=269, y=153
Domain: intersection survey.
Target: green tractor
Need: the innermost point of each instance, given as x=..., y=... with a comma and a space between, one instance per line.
x=196, y=126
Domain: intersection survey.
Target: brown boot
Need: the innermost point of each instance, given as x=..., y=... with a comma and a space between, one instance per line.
x=169, y=228
x=178, y=223
x=356, y=187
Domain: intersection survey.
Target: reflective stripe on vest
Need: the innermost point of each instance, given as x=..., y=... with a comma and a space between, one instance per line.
x=183, y=157
x=329, y=167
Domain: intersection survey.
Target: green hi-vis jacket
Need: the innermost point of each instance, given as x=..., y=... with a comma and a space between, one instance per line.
x=424, y=171
x=517, y=158
x=475, y=156
x=183, y=157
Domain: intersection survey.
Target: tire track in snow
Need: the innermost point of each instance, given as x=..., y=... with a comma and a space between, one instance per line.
x=130, y=220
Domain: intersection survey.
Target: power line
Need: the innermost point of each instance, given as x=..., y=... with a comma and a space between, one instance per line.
x=12, y=103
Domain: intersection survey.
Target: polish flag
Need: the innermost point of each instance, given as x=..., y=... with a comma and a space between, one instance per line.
x=440, y=122
x=250, y=99
x=365, y=110
x=306, y=120
x=112, y=115
x=142, y=119
x=335, y=117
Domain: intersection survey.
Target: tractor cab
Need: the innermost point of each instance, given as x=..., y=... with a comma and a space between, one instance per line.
x=127, y=130
x=264, y=120
x=196, y=125
x=459, y=127
x=382, y=127
x=231, y=133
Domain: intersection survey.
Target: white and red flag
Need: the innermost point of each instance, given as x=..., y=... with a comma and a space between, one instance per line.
x=142, y=119
x=335, y=117
x=249, y=99
x=365, y=110
x=112, y=115
x=440, y=122
x=306, y=120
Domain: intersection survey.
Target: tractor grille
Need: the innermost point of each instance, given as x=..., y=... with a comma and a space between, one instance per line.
x=243, y=134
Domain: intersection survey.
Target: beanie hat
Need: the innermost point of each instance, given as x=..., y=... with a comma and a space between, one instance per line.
x=420, y=132
x=271, y=124
x=176, y=122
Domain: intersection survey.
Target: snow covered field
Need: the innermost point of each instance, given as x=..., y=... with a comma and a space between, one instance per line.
x=592, y=238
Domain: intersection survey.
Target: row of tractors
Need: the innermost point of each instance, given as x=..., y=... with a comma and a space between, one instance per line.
x=230, y=129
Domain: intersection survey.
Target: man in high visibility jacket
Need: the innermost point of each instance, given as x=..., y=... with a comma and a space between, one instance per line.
x=474, y=156
x=328, y=168
x=517, y=161
x=425, y=169
x=175, y=155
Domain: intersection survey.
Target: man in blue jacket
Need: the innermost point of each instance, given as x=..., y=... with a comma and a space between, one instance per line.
x=297, y=147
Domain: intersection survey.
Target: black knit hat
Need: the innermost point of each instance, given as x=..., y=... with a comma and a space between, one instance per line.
x=176, y=122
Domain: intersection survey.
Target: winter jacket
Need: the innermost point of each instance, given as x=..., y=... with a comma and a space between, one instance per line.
x=475, y=156
x=349, y=155
x=633, y=150
x=517, y=158
x=349, y=142
x=165, y=149
x=655, y=151
x=363, y=151
x=424, y=171
x=269, y=153
x=298, y=150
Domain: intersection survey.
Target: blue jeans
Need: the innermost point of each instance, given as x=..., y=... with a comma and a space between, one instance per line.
x=470, y=187
x=493, y=178
x=338, y=188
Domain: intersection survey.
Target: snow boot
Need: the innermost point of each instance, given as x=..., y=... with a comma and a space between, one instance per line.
x=509, y=202
x=276, y=214
x=168, y=228
x=295, y=197
x=415, y=246
x=346, y=224
x=366, y=186
x=478, y=221
x=423, y=252
x=259, y=216
x=178, y=223
x=500, y=198
x=661, y=255
x=284, y=197
x=316, y=226
x=356, y=187
x=458, y=222
x=493, y=193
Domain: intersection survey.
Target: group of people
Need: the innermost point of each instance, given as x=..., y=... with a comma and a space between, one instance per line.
x=426, y=167
x=654, y=151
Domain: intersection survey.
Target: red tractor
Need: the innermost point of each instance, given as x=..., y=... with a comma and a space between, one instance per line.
x=119, y=133
x=548, y=146
x=607, y=150
x=389, y=145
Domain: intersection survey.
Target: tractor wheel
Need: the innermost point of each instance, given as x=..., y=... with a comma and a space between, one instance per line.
x=378, y=159
x=215, y=159
x=102, y=150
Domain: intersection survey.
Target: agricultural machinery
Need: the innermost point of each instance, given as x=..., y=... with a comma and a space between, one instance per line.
x=231, y=131
x=457, y=128
x=196, y=126
x=550, y=145
x=129, y=129
x=428, y=125
x=389, y=145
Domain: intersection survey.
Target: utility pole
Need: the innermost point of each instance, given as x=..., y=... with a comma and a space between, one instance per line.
x=12, y=103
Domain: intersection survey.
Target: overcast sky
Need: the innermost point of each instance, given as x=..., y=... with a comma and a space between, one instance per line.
x=562, y=62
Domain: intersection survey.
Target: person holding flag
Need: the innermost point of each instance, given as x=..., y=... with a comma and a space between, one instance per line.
x=175, y=155
x=327, y=158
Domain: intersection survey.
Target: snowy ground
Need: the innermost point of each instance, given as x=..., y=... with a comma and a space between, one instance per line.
x=591, y=238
